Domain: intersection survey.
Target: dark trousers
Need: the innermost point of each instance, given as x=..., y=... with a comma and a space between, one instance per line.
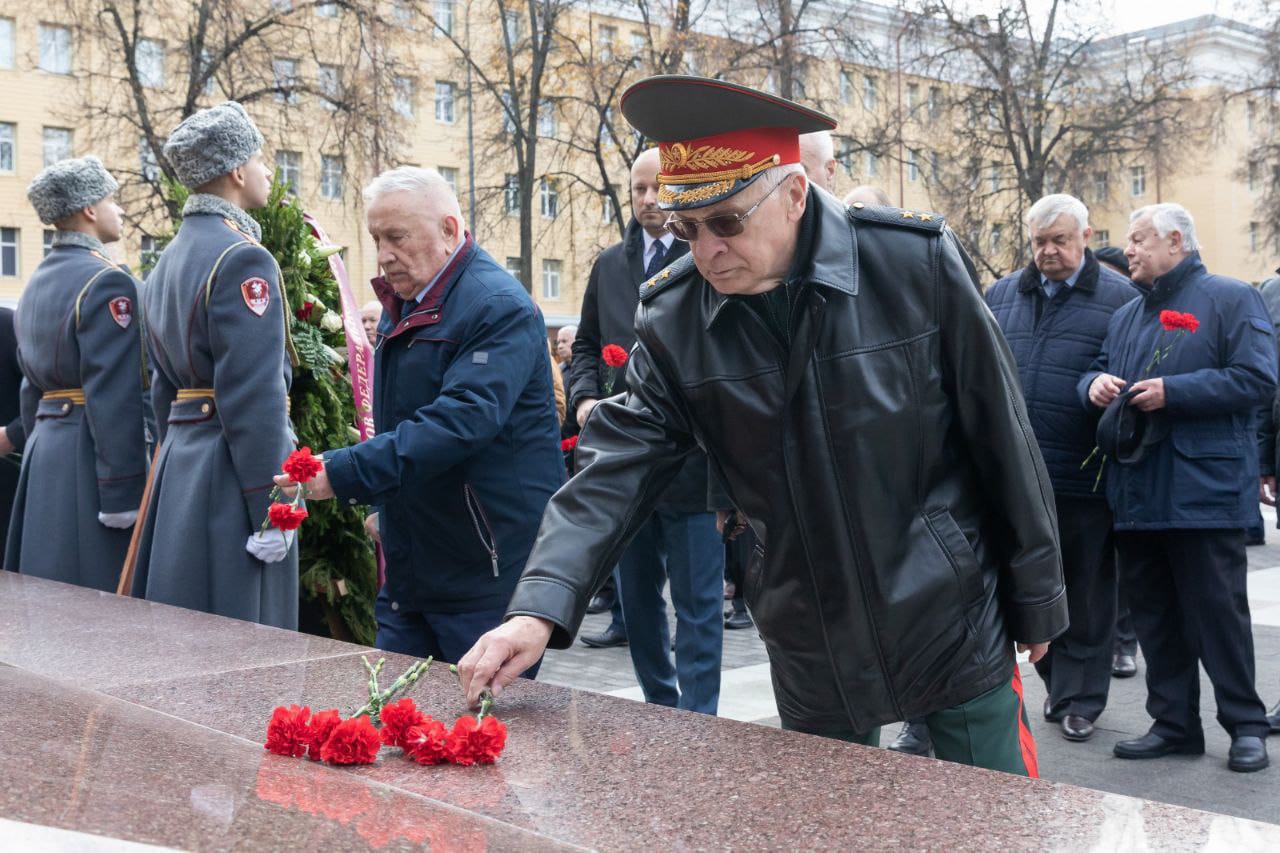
x=1189, y=602
x=1126, y=642
x=443, y=636
x=685, y=548
x=1077, y=669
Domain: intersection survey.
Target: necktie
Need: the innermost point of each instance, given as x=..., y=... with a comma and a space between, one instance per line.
x=656, y=262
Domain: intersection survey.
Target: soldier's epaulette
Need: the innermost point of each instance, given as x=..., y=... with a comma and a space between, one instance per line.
x=230, y=223
x=95, y=253
x=678, y=271
x=922, y=220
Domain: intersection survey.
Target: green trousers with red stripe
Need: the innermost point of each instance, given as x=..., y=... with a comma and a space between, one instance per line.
x=991, y=730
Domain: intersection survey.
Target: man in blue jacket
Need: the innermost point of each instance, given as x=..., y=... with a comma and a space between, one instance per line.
x=1181, y=507
x=468, y=445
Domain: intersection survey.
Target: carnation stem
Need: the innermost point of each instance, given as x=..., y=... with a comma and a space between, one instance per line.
x=486, y=697
x=1101, y=467
x=379, y=698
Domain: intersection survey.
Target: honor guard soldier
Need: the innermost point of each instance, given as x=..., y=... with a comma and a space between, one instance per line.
x=80, y=345
x=216, y=334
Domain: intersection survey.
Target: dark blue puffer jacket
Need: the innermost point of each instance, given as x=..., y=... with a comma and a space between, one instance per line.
x=1052, y=356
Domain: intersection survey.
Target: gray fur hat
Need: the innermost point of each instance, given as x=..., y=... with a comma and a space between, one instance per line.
x=69, y=185
x=211, y=143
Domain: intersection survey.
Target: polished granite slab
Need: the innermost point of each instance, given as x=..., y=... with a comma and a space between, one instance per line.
x=175, y=759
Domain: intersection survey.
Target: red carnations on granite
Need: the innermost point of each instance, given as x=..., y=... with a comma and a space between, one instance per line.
x=354, y=741
x=397, y=719
x=318, y=731
x=473, y=741
x=428, y=743
x=287, y=731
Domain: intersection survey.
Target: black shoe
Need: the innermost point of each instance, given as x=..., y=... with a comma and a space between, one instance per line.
x=1076, y=728
x=1050, y=714
x=1123, y=666
x=612, y=636
x=1151, y=745
x=738, y=619
x=600, y=602
x=1247, y=754
x=1273, y=717
x=913, y=739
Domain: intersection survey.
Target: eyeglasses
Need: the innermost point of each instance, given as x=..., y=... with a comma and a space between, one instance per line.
x=724, y=225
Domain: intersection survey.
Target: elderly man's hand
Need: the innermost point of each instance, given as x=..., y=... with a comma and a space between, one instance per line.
x=1038, y=650
x=498, y=657
x=371, y=527
x=1150, y=395
x=584, y=409
x=1267, y=491
x=318, y=488
x=1104, y=389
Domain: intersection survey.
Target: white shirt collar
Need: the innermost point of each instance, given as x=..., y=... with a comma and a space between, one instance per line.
x=666, y=240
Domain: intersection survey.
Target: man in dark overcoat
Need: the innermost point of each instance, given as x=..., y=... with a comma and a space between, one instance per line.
x=859, y=406
x=1183, y=496
x=216, y=324
x=81, y=350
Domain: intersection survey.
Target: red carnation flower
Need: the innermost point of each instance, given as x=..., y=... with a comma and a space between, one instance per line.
x=614, y=355
x=286, y=516
x=1174, y=321
x=472, y=742
x=354, y=741
x=301, y=466
x=1190, y=322
x=318, y=732
x=569, y=443
x=287, y=731
x=428, y=743
x=304, y=312
x=397, y=718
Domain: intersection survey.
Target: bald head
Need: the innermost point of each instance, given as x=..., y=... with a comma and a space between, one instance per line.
x=644, y=193
x=416, y=224
x=370, y=314
x=868, y=195
x=818, y=156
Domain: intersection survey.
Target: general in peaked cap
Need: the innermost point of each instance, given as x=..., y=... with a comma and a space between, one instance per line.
x=715, y=138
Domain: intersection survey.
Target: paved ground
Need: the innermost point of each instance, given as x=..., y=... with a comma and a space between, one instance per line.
x=1200, y=782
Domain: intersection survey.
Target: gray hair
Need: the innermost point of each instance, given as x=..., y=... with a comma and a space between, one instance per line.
x=1167, y=218
x=414, y=179
x=1047, y=210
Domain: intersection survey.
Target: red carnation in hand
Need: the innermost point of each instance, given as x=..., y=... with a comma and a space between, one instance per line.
x=472, y=742
x=1174, y=321
x=286, y=516
x=318, y=732
x=301, y=466
x=614, y=355
x=428, y=743
x=287, y=731
x=397, y=718
x=354, y=741
x=569, y=443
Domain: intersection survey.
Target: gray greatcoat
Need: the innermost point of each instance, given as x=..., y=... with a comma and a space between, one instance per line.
x=216, y=320
x=78, y=329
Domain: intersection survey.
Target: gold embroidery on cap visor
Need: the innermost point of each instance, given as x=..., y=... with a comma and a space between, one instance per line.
x=666, y=195
x=703, y=158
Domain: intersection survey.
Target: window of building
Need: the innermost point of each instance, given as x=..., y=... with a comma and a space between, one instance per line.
x=606, y=36
x=1255, y=236
x=511, y=195
x=8, y=136
x=326, y=10
x=1138, y=180
x=935, y=165
x=913, y=165
x=282, y=5
x=206, y=60
x=997, y=237
x=150, y=251
x=1101, y=238
x=443, y=13
x=55, y=49
x=401, y=11
x=1101, y=187
x=606, y=208
x=329, y=81
x=869, y=92
x=331, y=169
x=285, y=72
x=512, y=26
x=445, y=93
x=844, y=153
x=547, y=119
x=799, y=85
x=289, y=164
x=150, y=62
x=8, y=251
x=46, y=240
x=935, y=102
x=1250, y=114
x=56, y=144
x=550, y=279
x=846, y=87
x=508, y=112
x=450, y=175
x=147, y=165
x=871, y=164
x=913, y=96
x=513, y=267
x=403, y=96
x=993, y=176
x=6, y=42
x=638, y=41
x=1253, y=176
x=548, y=198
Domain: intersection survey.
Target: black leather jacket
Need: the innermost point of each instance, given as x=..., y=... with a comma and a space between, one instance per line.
x=885, y=463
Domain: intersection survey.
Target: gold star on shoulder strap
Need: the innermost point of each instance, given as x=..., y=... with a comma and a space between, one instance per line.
x=906, y=214
x=925, y=217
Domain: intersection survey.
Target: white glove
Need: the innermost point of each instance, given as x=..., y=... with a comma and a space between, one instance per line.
x=270, y=546
x=118, y=520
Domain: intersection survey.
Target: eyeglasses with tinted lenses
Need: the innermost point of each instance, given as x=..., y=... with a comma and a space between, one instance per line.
x=722, y=226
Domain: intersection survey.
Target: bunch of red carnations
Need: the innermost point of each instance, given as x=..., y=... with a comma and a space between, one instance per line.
x=294, y=731
x=301, y=467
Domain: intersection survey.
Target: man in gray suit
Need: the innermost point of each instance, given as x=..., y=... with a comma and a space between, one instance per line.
x=81, y=352
x=216, y=331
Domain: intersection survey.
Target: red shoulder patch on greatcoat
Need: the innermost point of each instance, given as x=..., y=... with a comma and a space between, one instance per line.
x=257, y=295
x=121, y=308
